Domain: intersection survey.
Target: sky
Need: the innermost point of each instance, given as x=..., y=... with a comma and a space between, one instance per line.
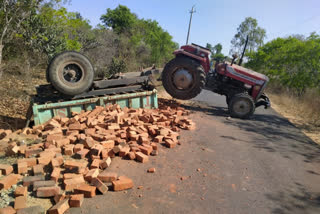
x=214, y=21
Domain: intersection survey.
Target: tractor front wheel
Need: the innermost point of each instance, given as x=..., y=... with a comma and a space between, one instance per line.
x=183, y=78
x=241, y=106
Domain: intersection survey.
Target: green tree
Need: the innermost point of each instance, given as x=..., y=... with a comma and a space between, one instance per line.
x=290, y=62
x=120, y=19
x=249, y=27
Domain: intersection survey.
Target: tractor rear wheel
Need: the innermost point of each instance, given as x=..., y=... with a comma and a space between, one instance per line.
x=183, y=78
x=71, y=73
x=241, y=106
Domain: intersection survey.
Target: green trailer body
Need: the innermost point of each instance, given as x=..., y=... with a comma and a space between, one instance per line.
x=44, y=112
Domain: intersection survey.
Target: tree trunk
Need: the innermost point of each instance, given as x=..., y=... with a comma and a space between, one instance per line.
x=1, y=70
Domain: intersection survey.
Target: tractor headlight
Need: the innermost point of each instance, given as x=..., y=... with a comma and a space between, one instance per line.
x=247, y=86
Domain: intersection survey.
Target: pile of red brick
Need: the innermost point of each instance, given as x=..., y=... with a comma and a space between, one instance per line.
x=74, y=153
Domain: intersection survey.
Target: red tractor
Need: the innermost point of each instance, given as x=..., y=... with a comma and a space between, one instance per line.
x=189, y=72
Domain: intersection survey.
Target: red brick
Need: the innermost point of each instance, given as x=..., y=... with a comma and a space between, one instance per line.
x=75, y=126
x=29, y=180
x=106, y=176
x=30, y=161
x=31, y=152
x=77, y=148
x=55, y=174
x=21, y=191
x=131, y=155
x=169, y=143
x=52, y=124
x=95, y=164
x=109, y=144
x=20, y=202
x=158, y=139
x=90, y=131
x=74, y=164
x=82, y=154
x=47, y=183
x=105, y=163
x=22, y=168
x=72, y=183
x=93, y=173
x=99, y=185
x=122, y=184
x=142, y=157
x=89, y=142
x=154, y=146
x=68, y=149
x=124, y=151
x=67, y=176
x=113, y=126
x=6, y=169
x=38, y=170
x=146, y=149
x=45, y=192
x=54, y=137
x=59, y=197
x=76, y=200
x=9, y=180
x=60, y=208
x=152, y=170
x=62, y=142
x=56, y=162
x=7, y=210
x=44, y=160
x=87, y=190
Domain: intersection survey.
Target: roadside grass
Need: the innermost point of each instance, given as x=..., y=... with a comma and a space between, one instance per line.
x=303, y=112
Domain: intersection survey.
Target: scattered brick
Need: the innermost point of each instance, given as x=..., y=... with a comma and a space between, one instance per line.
x=60, y=208
x=122, y=184
x=31, y=210
x=142, y=157
x=7, y=210
x=9, y=180
x=99, y=185
x=38, y=169
x=6, y=169
x=29, y=180
x=22, y=168
x=55, y=174
x=72, y=183
x=48, y=183
x=87, y=190
x=93, y=173
x=20, y=202
x=152, y=170
x=21, y=191
x=105, y=163
x=45, y=192
x=106, y=176
x=76, y=200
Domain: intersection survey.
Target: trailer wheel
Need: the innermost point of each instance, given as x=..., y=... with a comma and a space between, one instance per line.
x=71, y=73
x=241, y=106
x=183, y=78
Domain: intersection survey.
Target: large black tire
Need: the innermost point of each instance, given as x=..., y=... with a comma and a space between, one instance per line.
x=196, y=71
x=71, y=73
x=241, y=106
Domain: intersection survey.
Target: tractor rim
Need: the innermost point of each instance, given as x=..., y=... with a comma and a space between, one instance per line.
x=71, y=73
x=182, y=79
x=242, y=107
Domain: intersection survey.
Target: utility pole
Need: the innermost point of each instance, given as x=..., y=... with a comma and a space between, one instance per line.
x=191, y=13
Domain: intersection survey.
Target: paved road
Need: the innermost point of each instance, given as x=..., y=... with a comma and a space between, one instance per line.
x=262, y=165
